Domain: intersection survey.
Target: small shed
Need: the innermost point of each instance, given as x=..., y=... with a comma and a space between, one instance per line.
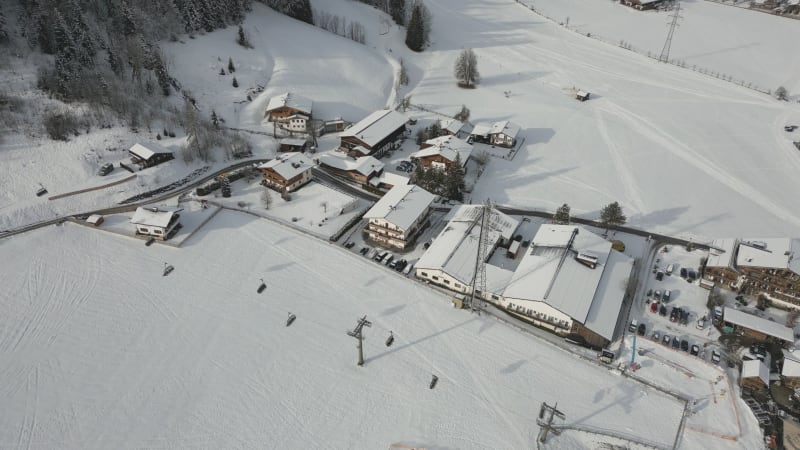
x=149, y=155
x=582, y=96
x=292, y=145
x=755, y=375
x=95, y=220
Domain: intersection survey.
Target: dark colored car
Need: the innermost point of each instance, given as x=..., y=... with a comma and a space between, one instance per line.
x=675, y=342
x=364, y=250
x=691, y=276
x=674, y=314
x=400, y=265
x=659, y=275
x=105, y=169
x=684, y=319
x=685, y=345
x=662, y=311
x=641, y=330
x=695, y=350
x=649, y=292
x=666, y=339
x=684, y=272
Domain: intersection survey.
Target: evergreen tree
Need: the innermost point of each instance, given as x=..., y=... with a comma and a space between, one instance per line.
x=462, y=115
x=454, y=181
x=466, y=69
x=611, y=215
x=242, y=38
x=221, y=71
x=781, y=93
x=561, y=216
x=297, y=9
x=415, y=38
x=235, y=83
x=3, y=32
x=231, y=67
x=397, y=9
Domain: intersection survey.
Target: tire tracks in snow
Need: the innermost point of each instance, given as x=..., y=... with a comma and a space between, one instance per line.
x=620, y=163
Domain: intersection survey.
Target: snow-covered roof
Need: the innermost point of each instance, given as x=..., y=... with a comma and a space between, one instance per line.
x=776, y=253
x=720, y=253
x=288, y=165
x=376, y=126
x=756, y=323
x=452, y=125
x=549, y=272
x=94, y=219
x=755, y=368
x=294, y=142
x=505, y=127
x=361, y=149
x=391, y=178
x=402, y=205
x=791, y=364
x=448, y=147
x=365, y=166
x=291, y=100
x=146, y=151
x=152, y=216
x=481, y=129
x=582, y=94
x=455, y=248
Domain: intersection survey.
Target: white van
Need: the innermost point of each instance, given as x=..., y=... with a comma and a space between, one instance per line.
x=634, y=325
x=669, y=269
x=408, y=268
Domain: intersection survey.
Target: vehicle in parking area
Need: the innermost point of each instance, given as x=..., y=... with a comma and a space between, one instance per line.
x=670, y=268
x=649, y=292
x=379, y=255
x=659, y=275
x=690, y=277
x=662, y=311
x=654, y=307
x=695, y=350
x=349, y=244
x=656, y=336
x=674, y=314
x=666, y=340
x=400, y=265
x=667, y=295
x=715, y=356
x=388, y=259
x=675, y=342
x=393, y=264
x=684, y=319
x=790, y=128
x=701, y=323
x=641, y=330
x=364, y=250
x=632, y=327
x=657, y=295
x=685, y=345
x=684, y=272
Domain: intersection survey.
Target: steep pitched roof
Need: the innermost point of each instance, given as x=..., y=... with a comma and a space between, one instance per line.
x=376, y=126
x=289, y=165
x=291, y=100
x=152, y=216
x=446, y=146
x=402, y=205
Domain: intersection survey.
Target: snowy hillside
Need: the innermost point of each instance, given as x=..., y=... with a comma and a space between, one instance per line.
x=99, y=350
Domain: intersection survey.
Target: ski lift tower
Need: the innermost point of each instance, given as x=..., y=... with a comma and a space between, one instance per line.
x=483, y=219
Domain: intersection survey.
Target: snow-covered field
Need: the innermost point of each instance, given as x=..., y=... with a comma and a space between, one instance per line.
x=99, y=350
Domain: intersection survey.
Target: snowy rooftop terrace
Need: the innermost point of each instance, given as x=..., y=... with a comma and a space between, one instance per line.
x=777, y=253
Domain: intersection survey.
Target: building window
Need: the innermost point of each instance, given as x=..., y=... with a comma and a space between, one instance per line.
x=494, y=297
x=446, y=281
x=423, y=274
x=458, y=286
x=435, y=278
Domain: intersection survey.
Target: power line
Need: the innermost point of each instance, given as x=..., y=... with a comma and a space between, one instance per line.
x=664, y=57
x=545, y=420
x=479, y=275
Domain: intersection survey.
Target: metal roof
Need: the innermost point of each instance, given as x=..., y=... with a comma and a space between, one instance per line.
x=756, y=323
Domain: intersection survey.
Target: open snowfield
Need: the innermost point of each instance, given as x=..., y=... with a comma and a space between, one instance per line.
x=683, y=153
x=99, y=350
x=747, y=45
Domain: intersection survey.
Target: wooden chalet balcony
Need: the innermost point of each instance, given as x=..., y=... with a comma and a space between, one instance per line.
x=386, y=231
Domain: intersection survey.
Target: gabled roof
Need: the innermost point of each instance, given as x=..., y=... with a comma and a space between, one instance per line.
x=481, y=129
x=294, y=101
x=455, y=248
x=402, y=205
x=452, y=125
x=376, y=126
x=152, y=216
x=289, y=165
x=550, y=273
x=756, y=323
x=364, y=166
x=447, y=147
x=720, y=253
x=505, y=127
x=774, y=253
x=294, y=142
x=146, y=151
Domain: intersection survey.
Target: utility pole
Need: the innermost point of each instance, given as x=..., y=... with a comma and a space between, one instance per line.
x=545, y=420
x=479, y=276
x=356, y=333
x=664, y=57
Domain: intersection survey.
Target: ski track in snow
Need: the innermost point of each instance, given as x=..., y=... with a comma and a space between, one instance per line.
x=651, y=131
x=621, y=165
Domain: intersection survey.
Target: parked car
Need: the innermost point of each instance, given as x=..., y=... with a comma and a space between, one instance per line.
x=695, y=350
x=632, y=327
x=657, y=295
x=642, y=330
x=715, y=356
x=691, y=276
x=393, y=264
x=684, y=272
x=654, y=307
x=667, y=294
x=105, y=169
x=666, y=340
x=649, y=292
x=388, y=259
x=662, y=311
x=380, y=255
x=790, y=128
x=685, y=345
x=674, y=314
x=656, y=336
x=364, y=250
x=659, y=275
x=350, y=244
x=684, y=319
x=670, y=268
x=701, y=323
x=675, y=342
